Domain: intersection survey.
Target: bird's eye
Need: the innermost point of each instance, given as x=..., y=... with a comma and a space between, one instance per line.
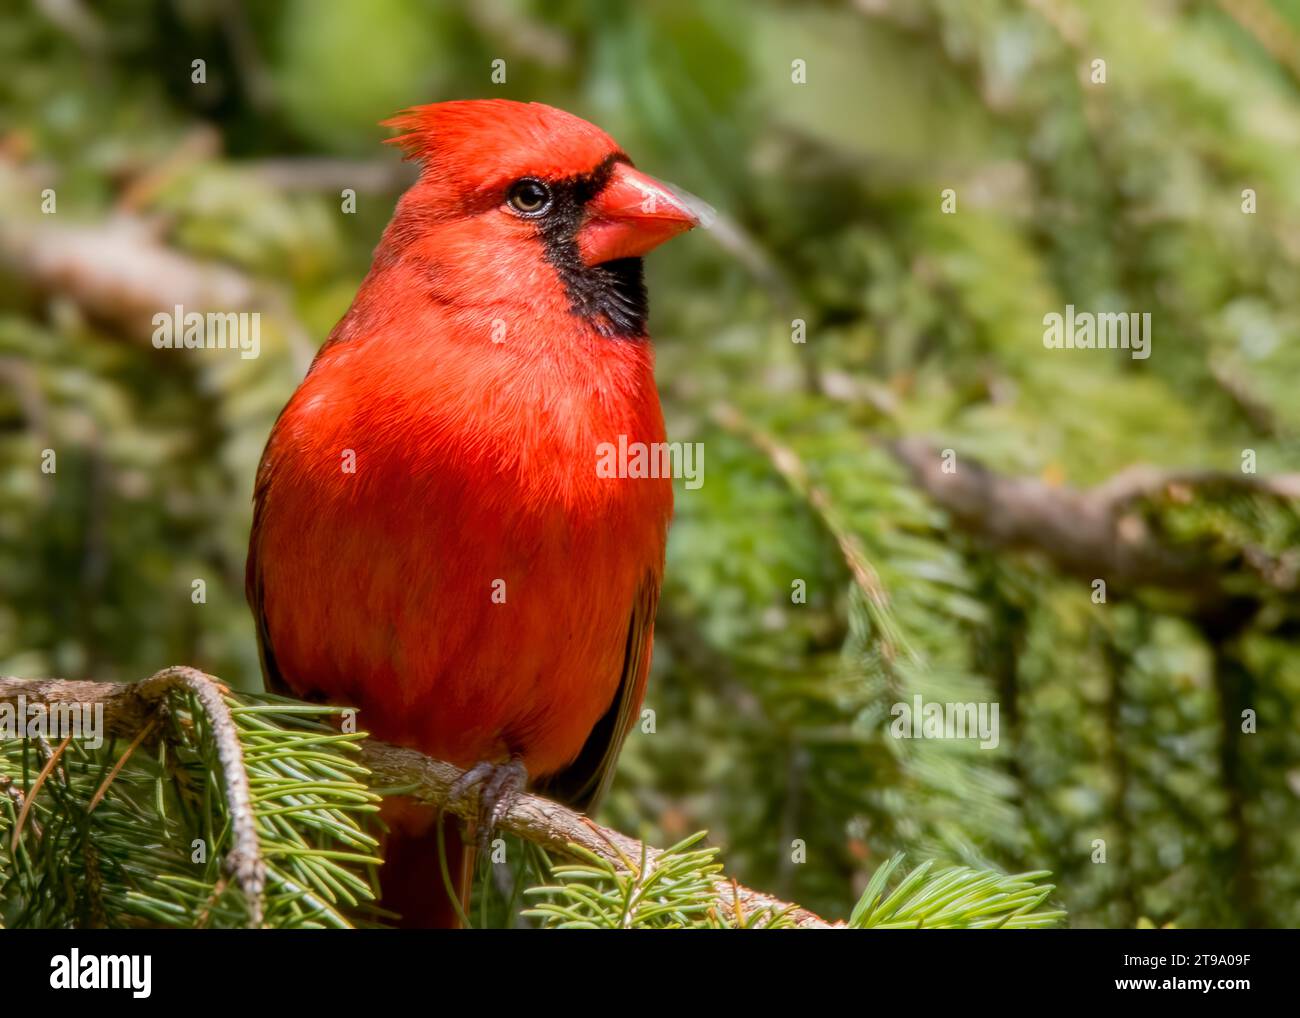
x=529, y=197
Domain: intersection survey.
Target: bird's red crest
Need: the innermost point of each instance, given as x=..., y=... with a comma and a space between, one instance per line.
x=479, y=144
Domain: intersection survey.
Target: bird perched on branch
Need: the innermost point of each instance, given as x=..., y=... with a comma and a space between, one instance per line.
x=432, y=540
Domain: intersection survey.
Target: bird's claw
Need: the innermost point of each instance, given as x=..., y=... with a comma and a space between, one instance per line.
x=498, y=785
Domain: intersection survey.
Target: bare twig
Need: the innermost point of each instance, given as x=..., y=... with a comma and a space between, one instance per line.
x=119, y=273
x=1142, y=481
x=72, y=17
x=1258, y=414
x=1269, y=29
x=333, y=174
x=1088, y=533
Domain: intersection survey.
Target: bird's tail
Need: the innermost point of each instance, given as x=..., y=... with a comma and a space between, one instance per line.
x=410, y=880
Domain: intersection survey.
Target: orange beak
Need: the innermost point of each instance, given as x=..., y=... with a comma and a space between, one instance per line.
x=632, y=214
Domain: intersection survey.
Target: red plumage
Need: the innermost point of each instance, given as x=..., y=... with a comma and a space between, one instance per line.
x=487, y=356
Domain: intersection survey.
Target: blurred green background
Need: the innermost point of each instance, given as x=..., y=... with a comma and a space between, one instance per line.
x=1121, y=721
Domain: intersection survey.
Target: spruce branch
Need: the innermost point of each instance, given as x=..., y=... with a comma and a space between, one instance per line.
x=955, y=897
x=396, y=770
x=222, y=810
x=674, y=889
x=244, y=860
x=614, y=881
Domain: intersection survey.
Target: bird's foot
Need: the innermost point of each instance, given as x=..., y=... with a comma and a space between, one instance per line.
x=497, y=786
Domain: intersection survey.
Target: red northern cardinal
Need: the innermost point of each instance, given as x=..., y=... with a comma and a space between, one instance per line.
x=432, y=540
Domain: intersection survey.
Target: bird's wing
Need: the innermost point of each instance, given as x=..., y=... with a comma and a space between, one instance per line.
x=273, y=679
x=582, y=784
